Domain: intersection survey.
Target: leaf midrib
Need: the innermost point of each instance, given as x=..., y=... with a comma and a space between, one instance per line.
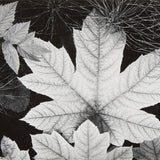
x=51, y=149
x=98, y=65
x=129, y=89
x=57, y=115
x=127, y=121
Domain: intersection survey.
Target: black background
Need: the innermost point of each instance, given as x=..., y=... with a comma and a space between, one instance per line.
x=59, y=30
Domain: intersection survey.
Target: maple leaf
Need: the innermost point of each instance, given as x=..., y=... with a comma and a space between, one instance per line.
x=96, y=90
x=11, y=151
x=89, y=144
x=148, y=150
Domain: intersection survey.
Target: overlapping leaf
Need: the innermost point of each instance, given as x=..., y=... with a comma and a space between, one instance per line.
x=96, y=90
x=17, y=34
x=89, y=144
x=148, y=150
x=11, y=151
x=27, y=45
x=32, y=48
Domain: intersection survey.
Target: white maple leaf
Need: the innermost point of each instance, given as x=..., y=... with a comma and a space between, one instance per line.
x=11, y=151
x=89, y=145
x=7, y=13
x=96, y=90
x=148, y=150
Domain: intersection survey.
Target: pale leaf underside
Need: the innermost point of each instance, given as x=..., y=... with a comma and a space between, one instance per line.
x=89, y=145
x=97, y=90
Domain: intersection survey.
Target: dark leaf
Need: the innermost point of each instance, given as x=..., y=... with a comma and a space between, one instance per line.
x=13, y=95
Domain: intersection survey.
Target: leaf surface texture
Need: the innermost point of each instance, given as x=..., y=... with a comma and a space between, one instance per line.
x=96, y=89
x=89, y=145
x=6, y=17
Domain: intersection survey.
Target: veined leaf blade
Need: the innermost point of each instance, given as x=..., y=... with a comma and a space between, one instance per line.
x=134, y=125
x=52, y=147
x=49, y=116
x=99, y=56
x=7, y=13
x=89, y=143
x=138, y=86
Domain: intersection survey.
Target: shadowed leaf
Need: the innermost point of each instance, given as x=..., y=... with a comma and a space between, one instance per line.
x=148, y=150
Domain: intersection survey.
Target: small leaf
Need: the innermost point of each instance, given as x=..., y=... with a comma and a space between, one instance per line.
x=33, y=48
x=89, y=145
x=11, y=56
x=29, y=37
x=23, y=53
x=17, y=32
x=11, y=151
x=7, y=13
x=148, y=150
